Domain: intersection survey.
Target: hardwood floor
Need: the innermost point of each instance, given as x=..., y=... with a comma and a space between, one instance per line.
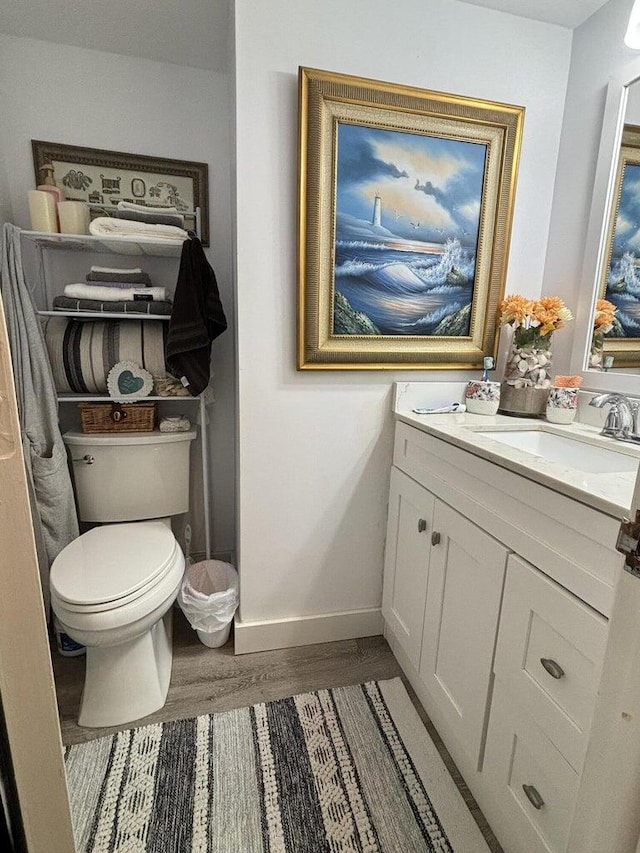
x=206, y=680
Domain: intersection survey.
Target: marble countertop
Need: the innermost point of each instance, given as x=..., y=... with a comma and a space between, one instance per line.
x=611, y=493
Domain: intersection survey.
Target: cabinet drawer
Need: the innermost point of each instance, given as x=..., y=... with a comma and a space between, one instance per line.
x=549, y=655
x=520, y=758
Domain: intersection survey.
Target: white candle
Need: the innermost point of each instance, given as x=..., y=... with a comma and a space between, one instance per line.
x=74, y=217
x=42, y=211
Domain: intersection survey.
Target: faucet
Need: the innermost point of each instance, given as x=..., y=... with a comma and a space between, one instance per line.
x=622, y=417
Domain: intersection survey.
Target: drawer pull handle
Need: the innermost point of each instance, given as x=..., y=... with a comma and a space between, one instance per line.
x=554, y=669
x=422, y=525
x=435, y=538
x=533, y=796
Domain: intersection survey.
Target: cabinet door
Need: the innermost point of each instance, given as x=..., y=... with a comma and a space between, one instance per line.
x=406, y=565
x=466, y=576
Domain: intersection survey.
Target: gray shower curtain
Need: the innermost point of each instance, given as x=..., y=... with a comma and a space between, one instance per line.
x=52, y=503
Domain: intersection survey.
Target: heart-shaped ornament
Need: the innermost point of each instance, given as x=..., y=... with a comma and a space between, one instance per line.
x=127, y=381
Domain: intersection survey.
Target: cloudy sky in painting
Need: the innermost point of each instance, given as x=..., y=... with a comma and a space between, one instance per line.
x=627, y=228
x=430, y=188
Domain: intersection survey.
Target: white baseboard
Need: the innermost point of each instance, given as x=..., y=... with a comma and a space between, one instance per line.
x=305, y=630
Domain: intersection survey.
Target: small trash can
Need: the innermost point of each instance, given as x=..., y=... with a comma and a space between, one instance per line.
x=208, y=597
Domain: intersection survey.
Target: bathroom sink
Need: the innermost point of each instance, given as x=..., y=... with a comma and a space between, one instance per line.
x=567, y=451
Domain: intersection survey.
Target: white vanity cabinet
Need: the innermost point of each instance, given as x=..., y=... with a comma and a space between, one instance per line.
x=442, y=589
x=495, y=599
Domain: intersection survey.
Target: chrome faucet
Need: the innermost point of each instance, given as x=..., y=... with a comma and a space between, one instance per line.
x=622, y=417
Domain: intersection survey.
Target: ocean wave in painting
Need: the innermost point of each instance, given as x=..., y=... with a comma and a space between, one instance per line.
x=406, y=292
x=623, y=290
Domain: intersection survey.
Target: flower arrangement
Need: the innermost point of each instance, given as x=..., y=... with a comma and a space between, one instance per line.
x=604, y=317
x=603, y=322
x=533, y=319
x=568, y=381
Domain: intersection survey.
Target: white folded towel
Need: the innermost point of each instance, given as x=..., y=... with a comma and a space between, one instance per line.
x=115, y=294
x=105, y=226
x=143, y=208
x=119, y=270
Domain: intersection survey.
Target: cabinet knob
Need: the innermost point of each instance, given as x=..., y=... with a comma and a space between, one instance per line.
x=533, y=796
x=422, y=525
x=554, y=669
x=435, y=538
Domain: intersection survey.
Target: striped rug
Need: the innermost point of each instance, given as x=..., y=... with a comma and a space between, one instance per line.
x=348, y=769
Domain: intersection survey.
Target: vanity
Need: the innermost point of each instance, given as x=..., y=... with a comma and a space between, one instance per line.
x=499, y=578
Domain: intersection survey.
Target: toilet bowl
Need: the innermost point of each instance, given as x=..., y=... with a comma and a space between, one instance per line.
x=112, y=588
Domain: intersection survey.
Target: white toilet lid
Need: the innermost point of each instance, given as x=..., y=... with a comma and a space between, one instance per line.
x=112, y=563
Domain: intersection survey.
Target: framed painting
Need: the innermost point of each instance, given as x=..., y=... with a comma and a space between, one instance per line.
x=620, y=280
x=405, y=208
x=104, y=178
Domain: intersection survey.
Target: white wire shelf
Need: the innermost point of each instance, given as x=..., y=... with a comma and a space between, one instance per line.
x=105, y=315
x=116, y=245
x=72, y=397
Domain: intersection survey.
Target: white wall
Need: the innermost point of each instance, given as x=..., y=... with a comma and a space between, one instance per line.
x=598, y=52
x=315, y=448
x=101, y=100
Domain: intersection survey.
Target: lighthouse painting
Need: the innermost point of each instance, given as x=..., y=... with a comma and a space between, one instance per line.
x=405, y=205
x=408, y=209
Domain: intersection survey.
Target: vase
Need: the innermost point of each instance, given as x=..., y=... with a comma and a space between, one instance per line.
x=527, y=374
x=596, y=352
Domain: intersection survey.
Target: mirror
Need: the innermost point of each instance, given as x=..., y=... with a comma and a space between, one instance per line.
x=610, y=334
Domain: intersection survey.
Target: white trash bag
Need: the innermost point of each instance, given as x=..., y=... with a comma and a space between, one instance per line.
x=208, y=597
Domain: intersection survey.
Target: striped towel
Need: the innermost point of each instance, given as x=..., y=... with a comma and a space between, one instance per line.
x=82, y=352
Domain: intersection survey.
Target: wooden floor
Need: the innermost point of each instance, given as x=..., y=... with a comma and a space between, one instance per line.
x=205, y=680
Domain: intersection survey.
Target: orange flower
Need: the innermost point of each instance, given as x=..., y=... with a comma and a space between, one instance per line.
x=604, y=317
x=568, y=381
x=546, y=314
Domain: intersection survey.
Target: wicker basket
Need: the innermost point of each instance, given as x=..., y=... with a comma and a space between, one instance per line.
x=118, y=417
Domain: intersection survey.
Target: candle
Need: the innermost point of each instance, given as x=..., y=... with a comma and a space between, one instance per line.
x=74, y=217
x=42, y=211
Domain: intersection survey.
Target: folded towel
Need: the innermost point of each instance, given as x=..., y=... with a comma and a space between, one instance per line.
x=155, y=218
x=115, y=276
x=106, y=226
x=122, y=285
x=131, y=205
x=118, y=270
x=67, y=303
x=114, y=294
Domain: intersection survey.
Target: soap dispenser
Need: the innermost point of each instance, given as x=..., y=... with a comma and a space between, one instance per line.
x=48, y=184
x=43, y=203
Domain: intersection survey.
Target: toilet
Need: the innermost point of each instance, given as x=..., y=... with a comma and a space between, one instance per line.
x=112, y=588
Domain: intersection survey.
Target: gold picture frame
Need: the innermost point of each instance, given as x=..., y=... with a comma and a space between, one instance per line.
x=103, y=178
x=623, y=341
x=405, y=209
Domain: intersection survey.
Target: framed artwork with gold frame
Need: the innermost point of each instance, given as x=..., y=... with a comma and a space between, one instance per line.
x=620, y=278
x=405, y=209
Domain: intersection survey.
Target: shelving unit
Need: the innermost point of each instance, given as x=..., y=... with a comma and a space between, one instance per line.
x=104, y=315
x=123, y=246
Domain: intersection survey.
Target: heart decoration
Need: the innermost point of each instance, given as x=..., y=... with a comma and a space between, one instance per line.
x=129, y=381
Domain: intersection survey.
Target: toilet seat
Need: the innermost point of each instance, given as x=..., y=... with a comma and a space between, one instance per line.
x=112, y=566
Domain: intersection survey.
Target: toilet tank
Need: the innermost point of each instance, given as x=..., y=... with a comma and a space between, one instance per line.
x=130, y=476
